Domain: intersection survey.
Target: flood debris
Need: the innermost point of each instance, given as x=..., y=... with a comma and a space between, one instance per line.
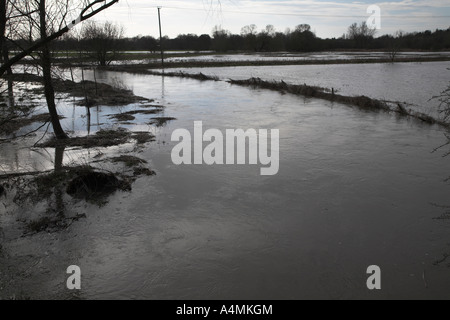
x=161, y=121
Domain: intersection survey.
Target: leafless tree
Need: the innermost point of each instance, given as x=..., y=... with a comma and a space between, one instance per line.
x=360, y=33
x=101, y=40
x=444, y=103
x=42, y=21
x=394, y=47
x=67, y=20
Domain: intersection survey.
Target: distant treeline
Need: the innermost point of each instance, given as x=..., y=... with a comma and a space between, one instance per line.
x=300, y=39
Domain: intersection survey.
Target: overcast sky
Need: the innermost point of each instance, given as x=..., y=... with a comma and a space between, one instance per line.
x=328, y=18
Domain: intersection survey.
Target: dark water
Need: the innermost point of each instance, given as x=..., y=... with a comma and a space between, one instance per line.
x=354, y=189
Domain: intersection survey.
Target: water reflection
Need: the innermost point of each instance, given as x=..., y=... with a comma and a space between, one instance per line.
x=11, y=100
x=58, y=192
x=163, y=89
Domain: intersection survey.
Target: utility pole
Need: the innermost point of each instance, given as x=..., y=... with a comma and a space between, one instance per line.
x=160, y=37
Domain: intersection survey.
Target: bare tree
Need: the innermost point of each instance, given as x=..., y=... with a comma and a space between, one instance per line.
x=220, y=37
x=361, y=34
x=249, y=30
x=444, y=103
x=3, y=21
x=87, y=8
x=42, y=22
x=303, y=28
x=249, y=33
x=47, y=74
x=394, y=46
x=102, y=40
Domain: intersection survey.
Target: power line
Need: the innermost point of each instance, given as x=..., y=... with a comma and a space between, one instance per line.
x=307, y=14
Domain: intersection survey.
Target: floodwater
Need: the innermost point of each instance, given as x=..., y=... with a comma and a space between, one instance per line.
x=413, y=83
x=209, y=56
x=355, y=189
x=280, y=56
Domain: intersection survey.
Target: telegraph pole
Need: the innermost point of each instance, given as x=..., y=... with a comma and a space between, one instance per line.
x=160, y=37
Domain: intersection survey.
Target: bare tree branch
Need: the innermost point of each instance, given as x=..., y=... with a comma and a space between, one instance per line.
x=41, y=42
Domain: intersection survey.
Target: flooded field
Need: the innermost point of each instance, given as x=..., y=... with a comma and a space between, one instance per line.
x=413, y=83
x=355, y=188
x=304, y=56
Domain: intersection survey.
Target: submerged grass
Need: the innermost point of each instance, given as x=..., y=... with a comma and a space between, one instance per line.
x=362, y=102
x=103, y=138
x=198, y=76
x=129, y=161
x=81, y=182
x=161, y=121
x=16, y=122
x=94, y=93
x=98, y=93
x=122, y=117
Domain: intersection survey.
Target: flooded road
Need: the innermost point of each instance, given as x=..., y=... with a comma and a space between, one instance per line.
x=354, y=189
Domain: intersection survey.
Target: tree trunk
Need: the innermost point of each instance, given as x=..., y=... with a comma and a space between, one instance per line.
x=4, y=54
x=3, y=46
x=47, y=76
x=2, y=22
